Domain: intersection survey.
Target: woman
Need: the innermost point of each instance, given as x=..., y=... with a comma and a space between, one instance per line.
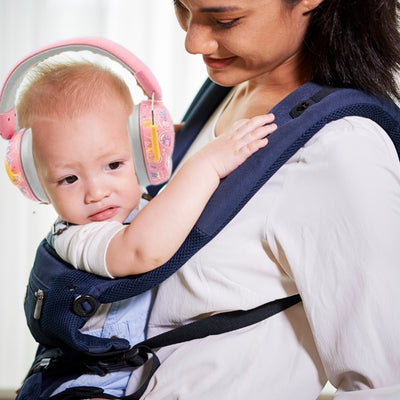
x=326, y=225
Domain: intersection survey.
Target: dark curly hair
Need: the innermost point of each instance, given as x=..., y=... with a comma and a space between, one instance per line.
x=354, y=43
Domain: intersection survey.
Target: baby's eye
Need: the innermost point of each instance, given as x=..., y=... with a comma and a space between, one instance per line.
x=114, y=165
x=68, y=180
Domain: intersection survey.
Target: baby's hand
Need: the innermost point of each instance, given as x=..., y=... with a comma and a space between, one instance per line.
x=233, y=147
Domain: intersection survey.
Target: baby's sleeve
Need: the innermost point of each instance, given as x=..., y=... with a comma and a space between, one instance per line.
x=85, y=246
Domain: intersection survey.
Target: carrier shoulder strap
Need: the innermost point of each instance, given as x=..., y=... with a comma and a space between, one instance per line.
x=299, y=117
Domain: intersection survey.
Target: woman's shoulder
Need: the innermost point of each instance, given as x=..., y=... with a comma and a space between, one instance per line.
x=351, y=140
x=347, y=161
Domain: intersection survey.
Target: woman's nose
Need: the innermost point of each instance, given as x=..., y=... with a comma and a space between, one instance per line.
x=200, y=40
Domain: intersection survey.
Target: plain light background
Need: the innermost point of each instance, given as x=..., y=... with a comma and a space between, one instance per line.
x=147, y=28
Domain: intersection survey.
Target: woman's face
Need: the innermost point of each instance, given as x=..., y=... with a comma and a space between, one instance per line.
x=243, y=40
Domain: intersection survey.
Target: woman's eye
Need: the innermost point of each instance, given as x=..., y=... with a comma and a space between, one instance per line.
x=181, y=14
x=114, y=165
x=68, y=180
x=226, y=24
x=178, y=5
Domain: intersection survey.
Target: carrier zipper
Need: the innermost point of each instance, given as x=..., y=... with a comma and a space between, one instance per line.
x=39, y=302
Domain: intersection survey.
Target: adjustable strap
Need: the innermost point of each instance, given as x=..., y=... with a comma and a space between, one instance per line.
x=81, y=393
x=141, y=352
x=316, y=98
x=213, y=325
x=222, y=323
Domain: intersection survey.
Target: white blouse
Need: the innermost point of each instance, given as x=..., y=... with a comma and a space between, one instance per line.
x=327, y=226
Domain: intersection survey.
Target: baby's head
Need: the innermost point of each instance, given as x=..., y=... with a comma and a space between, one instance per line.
x=78, y=112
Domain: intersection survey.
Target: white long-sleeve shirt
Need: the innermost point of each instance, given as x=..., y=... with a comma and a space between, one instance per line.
x=326, y=225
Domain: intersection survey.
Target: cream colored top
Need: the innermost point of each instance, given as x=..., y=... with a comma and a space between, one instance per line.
x=326, y=225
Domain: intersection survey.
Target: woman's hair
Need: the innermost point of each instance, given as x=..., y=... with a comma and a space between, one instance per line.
x=355, y=43
x=68, y=89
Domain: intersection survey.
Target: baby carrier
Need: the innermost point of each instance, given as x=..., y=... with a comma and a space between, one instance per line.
x=60, y=299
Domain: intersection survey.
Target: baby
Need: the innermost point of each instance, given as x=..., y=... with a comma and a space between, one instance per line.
x=78, y=114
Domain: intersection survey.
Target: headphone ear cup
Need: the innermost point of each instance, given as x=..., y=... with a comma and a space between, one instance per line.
x=19, y=158
x=14, y=167
x=152, y=136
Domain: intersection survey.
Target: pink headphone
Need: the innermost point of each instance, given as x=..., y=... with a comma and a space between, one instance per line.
x=150, y=126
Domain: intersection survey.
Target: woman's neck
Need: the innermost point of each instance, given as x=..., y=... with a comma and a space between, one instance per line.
x=260, y=94
x=250, y=99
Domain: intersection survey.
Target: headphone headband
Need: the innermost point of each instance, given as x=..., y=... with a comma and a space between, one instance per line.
x=104, y=47
x=150, y=126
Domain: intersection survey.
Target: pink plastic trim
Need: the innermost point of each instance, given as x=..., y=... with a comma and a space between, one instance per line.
x=157, y=151
x=106, y=47
x=14, y=166
x=101, y=45
x=8, y=123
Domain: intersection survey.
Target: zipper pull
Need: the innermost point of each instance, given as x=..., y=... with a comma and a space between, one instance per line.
x=39, y=301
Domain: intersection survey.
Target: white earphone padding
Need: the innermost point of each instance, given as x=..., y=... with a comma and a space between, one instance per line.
x=136, y=147
x=28, y=165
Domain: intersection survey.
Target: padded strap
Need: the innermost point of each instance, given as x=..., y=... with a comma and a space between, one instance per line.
x=61, y=329
x=69, y=286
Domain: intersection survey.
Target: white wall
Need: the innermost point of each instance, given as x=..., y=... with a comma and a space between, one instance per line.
x=146, y=27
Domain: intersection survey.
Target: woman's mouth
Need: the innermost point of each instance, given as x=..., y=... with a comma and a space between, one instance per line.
x=218, y=63
x=104, y=214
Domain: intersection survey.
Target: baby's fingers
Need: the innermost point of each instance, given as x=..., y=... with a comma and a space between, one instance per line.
x=245, y=126
x=231, y=149
x=253, y=139
x=255, y=121
x=249, y=134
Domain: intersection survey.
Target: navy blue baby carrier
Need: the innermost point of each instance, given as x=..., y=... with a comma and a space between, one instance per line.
x=60, y=299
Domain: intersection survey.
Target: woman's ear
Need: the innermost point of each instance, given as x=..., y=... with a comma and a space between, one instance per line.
x=310, y=5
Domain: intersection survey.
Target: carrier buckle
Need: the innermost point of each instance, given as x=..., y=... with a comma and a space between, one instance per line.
x=43, y=363
x=133, y=358
x=137, y=356
x=85, y=305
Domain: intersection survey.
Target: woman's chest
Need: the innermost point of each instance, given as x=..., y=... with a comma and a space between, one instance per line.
x=235, y=270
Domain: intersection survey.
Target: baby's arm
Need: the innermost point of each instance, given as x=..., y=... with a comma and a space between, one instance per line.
x=160, y=228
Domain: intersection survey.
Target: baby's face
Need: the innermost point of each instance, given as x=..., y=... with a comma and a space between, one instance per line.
x=85, y=165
